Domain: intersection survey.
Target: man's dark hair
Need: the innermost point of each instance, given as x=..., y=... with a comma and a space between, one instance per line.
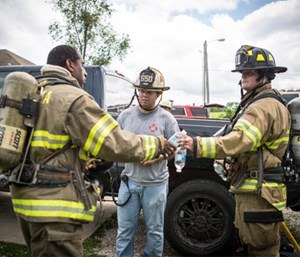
x=59, y=54
x=266, y=73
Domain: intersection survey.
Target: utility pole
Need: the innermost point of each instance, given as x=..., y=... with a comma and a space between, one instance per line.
x=205, y=71
x=205, y=75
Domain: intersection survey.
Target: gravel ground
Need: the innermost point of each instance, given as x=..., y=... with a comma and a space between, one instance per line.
x=292, y=220
x=108, y=243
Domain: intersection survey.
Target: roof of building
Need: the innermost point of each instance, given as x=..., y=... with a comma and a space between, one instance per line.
x=9, y=58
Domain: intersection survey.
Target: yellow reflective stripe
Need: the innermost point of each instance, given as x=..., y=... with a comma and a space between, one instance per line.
x=250, y=52
x=208, y=147
x=83, y=155
x=280, y=205
x=251, y=131
x=251, y=184
x=273, y=184
x=276, y=143
x=260, y=58
x=270, y=57
x=42, y=138
x=53, y=208
x=150, y=147
x=98, y=134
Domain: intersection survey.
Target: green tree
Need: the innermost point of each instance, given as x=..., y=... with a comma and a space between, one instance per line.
x=230, y=109
x=87, y=27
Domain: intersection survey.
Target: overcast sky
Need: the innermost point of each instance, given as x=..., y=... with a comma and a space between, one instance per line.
x=169, y=35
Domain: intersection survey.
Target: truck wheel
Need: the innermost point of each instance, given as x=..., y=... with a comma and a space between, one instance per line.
x=199, y=218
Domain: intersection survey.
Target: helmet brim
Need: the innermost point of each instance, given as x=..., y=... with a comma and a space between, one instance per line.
x=276, y=69
x=150, y=88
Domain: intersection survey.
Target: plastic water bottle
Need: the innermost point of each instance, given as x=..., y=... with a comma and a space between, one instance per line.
x=175, y=138
x=180, y=159
x=219, y=169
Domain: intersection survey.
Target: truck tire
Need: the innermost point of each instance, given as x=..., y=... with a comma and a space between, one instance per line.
x=199, y=219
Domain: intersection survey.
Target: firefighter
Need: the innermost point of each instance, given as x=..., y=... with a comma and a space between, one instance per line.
x=166, y=104
x=71, y=127
x=256, y=141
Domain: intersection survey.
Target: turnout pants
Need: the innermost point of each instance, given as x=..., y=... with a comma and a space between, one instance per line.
x=262, y=238
x=53, y=239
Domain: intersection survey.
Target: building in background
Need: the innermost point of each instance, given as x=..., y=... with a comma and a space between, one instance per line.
x=9, y=58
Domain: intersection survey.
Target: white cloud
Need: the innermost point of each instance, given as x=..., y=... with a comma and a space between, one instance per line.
x=169, y=35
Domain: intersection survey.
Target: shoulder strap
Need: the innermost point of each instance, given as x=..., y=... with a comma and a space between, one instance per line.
x=266, y=95
x=51, y=81
x=58, y=152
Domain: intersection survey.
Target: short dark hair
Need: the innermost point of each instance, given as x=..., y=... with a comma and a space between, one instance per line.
x=266, y=73
x=59, y=54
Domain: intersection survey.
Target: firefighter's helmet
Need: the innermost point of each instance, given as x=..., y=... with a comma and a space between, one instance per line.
x=151, y=79
x=256, y=58
x=166, y=104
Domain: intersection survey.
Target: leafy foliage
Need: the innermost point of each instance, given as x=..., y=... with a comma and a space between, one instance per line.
x=226, y=112
x=230, y=109
x=87, y=27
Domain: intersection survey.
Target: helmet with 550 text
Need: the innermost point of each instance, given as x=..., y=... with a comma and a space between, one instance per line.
x=256, y=58
x=151, y=79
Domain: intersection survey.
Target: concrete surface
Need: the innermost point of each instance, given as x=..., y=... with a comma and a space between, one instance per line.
x=10, y=232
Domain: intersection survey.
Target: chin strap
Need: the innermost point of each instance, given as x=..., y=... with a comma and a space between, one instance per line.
x=137, y=97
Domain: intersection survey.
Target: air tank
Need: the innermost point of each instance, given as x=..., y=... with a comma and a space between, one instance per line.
x=294, y=109
x=17, y=86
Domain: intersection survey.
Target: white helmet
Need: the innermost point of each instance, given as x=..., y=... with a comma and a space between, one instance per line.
x=151, y=79
x=166, y=103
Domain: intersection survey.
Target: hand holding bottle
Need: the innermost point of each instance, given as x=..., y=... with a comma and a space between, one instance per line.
x=186, y=142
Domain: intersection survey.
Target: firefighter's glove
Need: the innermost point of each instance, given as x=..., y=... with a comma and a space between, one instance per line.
x=149, y=162
x=167, y=148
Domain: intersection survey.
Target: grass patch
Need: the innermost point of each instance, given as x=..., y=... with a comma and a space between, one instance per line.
x=13, y=250
x=90, y=245
x=217, y=115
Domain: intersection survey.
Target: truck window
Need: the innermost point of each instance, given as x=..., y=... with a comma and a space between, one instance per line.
x=202, y=112
x=178, y=111
x=119, y=92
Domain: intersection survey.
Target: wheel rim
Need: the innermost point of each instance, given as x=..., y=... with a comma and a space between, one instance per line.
x=201, y=223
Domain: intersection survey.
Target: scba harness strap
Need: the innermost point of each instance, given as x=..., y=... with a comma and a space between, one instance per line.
x=28, y=106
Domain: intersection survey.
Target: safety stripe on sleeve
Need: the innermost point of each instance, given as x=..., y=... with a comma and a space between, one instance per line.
x=53, y=208
x=150, y=147
x=251, y=131
x=98, y=133
x=42, y=138
x=208, y=147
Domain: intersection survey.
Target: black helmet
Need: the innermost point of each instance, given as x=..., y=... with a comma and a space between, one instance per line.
x=151, y=79
x=255, y=58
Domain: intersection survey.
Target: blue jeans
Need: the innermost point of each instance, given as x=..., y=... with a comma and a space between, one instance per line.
x=152, y=199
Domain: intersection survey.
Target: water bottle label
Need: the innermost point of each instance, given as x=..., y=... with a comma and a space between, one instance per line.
x=174, y=139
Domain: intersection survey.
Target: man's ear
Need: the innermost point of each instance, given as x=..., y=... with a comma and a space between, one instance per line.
x=69, y=65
